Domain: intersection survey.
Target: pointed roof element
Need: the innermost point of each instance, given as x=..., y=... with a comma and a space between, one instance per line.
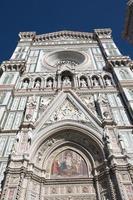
x=68, y=106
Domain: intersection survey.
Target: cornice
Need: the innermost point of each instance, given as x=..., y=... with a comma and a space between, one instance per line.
x=105, y=33
x=87, y=36
x=14, y=65
x=65, y=35
x=120, y=61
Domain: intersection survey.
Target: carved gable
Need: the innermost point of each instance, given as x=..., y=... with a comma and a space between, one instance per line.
x=68, y=106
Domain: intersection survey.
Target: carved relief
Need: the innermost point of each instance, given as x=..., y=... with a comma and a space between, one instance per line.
x=124, y=176
x=89, y=101
x=23, y=141
x=67, y=189
x=104, y=106
x=44, y=102
x=66, y=82
x=14, y=180
x=31, y=111
x=11, y=193
x=68, y=111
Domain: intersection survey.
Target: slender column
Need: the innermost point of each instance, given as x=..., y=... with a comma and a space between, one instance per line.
x=130, y=169
x=97, y=185
x=31, y=84
x=19, y=186
x=5, y=188
x=112, y=193
x=45, y=83
x=41, y=191
x=59, y=82
x=118, y=184
x=88, y=82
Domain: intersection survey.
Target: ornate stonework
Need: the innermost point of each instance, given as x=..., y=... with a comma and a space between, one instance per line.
x=66, y=109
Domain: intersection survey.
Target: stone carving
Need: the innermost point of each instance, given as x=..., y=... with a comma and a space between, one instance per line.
x=66, y=63
x=31, y=109
x=75, y=197
x=66, y=81
x=25, y=84
x=121, y=142
x=23, y=141
x=14, y=180
x=11, y=193
x=89, y=101
x=108, y=81
x=43, y=148
x=16, y=143
x=125, y=176
x=44, y=102
x=95, y=81
x=103, y=105
x=29, y=135
x=49, y=83
x=68, y=111
x=73, y=190
x=83, y=83
x=37, y=84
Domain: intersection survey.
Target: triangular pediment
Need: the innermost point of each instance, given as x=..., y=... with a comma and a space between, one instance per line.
x=68, y=106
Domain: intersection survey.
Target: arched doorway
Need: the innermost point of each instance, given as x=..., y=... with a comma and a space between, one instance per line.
x=69, y=161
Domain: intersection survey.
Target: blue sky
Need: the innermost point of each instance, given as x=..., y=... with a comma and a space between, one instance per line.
x=45, y=16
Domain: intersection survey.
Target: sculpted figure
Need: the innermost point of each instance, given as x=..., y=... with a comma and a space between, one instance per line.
x=37, y=84
x=66, y=81
x=95, y=82
x=29, y=135
x=25, y=84
x=31, y=106
x=83, y=83
x=49, y=83
x=16, y=145
x=108, y=81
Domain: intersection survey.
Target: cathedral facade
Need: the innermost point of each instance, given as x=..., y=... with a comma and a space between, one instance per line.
x=66, y=112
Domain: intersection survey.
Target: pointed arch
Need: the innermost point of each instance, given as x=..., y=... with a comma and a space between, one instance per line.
x=72, y=133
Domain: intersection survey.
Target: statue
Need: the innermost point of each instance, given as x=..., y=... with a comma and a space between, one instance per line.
x=25, y=84
x=49, y=83
x=95, y=82
x=37, y=84
x=106, y=115
x=108, y=82
x=66, y=81
x=31, y=106
x=83, y=83
x=121, y=142
x=29, y=135
x=44, y=102
x=16, y=144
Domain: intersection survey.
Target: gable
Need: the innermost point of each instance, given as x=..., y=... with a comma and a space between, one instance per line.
x=68, y=106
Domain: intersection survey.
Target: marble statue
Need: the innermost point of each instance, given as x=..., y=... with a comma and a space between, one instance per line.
x=37, y=84
x=49, y=83
x=31, y=105
x=25, y=84
x=66, y=81
x=95, y=82
x=83, y=83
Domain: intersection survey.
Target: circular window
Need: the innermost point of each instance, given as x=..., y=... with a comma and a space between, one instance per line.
x=69, y=58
